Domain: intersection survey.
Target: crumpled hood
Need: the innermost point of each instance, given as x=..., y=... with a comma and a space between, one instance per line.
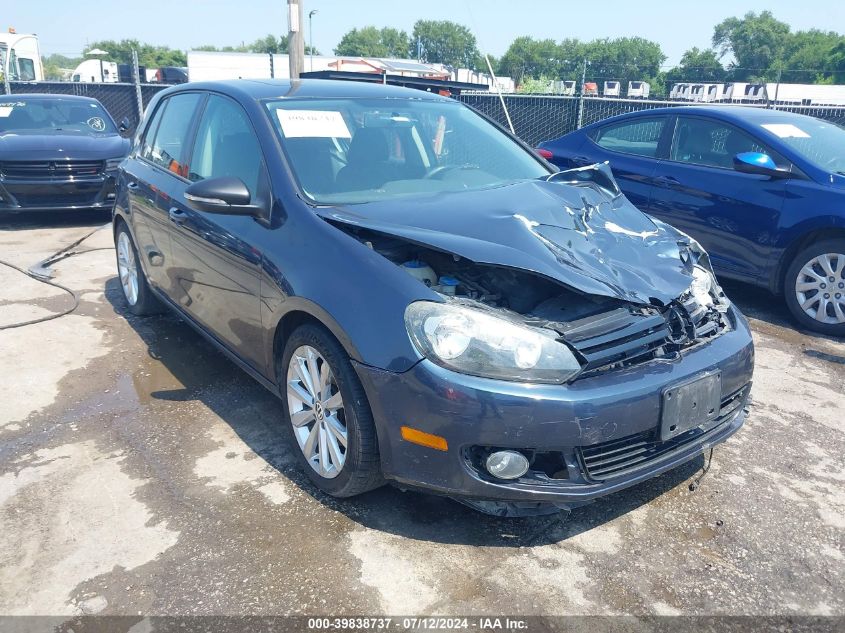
x=59, y=146
x=586, y=237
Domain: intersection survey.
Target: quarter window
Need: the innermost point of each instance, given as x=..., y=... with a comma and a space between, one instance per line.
x=712, y=143
x=640, y=137
x=169, y=131
x=226, y=145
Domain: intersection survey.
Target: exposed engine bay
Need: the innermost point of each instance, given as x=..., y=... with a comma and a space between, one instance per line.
x=608, y=332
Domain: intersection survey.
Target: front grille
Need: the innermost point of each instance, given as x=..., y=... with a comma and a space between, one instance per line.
x=627, y=336
x=50, y=170
x=620, y=335
x=58, y=200
x=619, y=457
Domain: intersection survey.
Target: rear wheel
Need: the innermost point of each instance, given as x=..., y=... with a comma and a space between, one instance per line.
x=814, y=287
x=327, y=414
x=136, y=291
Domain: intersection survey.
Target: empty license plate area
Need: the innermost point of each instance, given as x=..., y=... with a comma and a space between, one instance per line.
x=690, y=404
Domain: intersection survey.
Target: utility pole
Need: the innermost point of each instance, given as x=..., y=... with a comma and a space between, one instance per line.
x=296, y=42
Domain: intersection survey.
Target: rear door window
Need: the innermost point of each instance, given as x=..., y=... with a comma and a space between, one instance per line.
x=166, y=144
x=640, y=137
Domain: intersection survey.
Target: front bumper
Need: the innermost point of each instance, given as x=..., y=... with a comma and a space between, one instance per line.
x=574, y=422
x=96, y=192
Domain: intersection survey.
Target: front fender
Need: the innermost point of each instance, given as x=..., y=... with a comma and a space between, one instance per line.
x=353, y=291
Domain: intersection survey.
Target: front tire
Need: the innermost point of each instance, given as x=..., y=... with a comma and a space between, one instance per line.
x=326, y=414
x=814, y=287
x=136, y=290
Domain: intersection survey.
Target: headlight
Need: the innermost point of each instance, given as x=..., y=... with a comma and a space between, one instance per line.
x=706, y=290
x=113, y=163
x=474, y=342
x=703, y=285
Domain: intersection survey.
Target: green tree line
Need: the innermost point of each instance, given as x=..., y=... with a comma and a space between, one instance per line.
x=755, y=47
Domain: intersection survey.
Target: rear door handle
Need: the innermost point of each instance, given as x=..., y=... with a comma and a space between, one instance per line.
x=581, y=161
x=177, y=215
x=666, y=181
x=132, y=186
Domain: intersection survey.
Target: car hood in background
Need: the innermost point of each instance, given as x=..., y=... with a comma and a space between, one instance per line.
x=59, y=146
x=586, y=237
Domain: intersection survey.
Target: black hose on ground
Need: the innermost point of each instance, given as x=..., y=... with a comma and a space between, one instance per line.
x=43, y=277
x=49, y=283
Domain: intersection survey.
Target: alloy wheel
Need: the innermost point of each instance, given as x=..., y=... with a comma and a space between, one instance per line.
x=127, y=268
x=820, y=288
x=316, y=411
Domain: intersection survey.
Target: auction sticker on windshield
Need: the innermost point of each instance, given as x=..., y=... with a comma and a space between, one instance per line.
x=785, y=130
x=312, y=124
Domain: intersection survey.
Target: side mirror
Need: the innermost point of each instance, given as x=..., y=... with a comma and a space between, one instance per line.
x=225, y=195
x=758, y=163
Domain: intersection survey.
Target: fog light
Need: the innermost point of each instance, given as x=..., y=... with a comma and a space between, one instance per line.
x=507, y=464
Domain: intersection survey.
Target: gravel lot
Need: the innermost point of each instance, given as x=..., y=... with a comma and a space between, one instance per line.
x=142, y=473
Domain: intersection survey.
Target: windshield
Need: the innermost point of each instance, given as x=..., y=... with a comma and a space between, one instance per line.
x=362, y=150
x=54, y=114
x=820, y=142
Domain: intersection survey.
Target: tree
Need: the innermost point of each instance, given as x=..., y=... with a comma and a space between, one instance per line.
x=149, y=55
x=698, y=65
x=56, y=66
x=530, y=58
x=370, y=41
x=755, y=41
x=810, y=56
x=269, y=44
x=444, y=42
x=623, y=59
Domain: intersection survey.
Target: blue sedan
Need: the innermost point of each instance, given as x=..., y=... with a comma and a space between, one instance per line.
x=763, y=191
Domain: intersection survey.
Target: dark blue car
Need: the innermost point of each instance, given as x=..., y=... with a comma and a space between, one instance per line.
x=57, y=152
x=434, y=305
x=762, y=191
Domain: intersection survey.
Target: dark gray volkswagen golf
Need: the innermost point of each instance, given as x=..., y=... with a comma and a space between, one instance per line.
x=435, y=305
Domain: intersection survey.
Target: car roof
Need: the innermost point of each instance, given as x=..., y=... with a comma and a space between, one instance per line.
x=731, y=113
x=259, y=89
x=40, y=96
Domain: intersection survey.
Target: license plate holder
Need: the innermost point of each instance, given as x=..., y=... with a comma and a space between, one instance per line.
x=690, y=404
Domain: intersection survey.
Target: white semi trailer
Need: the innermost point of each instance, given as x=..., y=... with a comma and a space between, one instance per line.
x=20, y=57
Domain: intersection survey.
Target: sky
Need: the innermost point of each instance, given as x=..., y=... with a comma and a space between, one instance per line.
x=65, y=26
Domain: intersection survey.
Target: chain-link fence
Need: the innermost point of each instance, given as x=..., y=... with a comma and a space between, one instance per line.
x=535, y=118
x=121, y=100
x=538, y=118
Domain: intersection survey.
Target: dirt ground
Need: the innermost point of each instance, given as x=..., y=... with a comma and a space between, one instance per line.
x=143, y=473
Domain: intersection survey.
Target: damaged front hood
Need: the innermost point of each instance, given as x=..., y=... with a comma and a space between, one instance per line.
x=585, y=236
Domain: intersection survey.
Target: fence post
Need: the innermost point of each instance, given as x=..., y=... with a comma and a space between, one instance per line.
x=7, y=85
x=581, y=97
x=136, y=73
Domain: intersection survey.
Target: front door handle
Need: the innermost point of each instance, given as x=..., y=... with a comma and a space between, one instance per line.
x=177, y=215
x=580, y=161
x=666, y=181
x=132, y=186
